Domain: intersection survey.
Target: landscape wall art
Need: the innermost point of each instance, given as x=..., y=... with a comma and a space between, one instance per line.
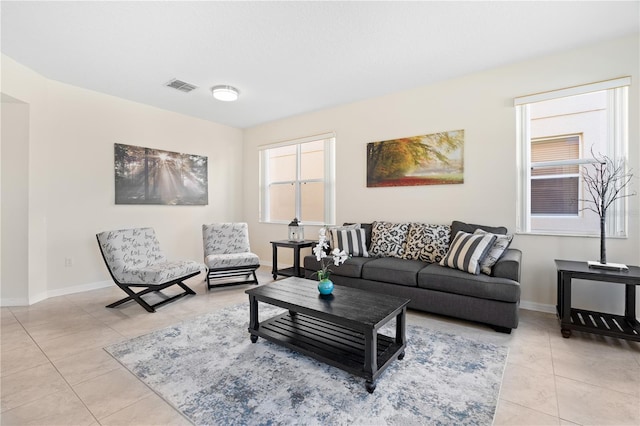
x=153, y=176
x=433, y=159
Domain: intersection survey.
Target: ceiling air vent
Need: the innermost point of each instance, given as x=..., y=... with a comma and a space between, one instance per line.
x=181, y=85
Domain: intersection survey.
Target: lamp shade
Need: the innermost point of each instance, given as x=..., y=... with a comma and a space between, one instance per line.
x=225, y=93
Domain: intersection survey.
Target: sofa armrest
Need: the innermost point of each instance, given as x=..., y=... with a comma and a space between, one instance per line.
x=508, y=266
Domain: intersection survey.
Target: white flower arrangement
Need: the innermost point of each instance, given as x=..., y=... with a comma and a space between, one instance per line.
x=336, y=256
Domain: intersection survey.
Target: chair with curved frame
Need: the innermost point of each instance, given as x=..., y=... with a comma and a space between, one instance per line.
x=134, y=260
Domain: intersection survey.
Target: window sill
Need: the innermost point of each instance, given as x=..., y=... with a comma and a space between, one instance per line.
x=568, y=234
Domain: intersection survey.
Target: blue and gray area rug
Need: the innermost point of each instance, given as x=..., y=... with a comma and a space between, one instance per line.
x=208, y=369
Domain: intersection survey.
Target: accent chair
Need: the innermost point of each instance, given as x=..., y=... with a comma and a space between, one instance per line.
x=227, y=254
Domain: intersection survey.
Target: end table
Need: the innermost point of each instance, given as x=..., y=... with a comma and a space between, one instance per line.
x=624, y=327
x=296, y=270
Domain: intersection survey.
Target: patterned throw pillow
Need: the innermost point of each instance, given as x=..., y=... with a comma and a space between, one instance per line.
x=352, y=241
x=388, y=239
x=467, y=250
x=329, y=232
x=428, y=243
x=495, y=252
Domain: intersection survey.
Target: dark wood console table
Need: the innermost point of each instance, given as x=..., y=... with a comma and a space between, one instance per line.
x=622, y=326
x=295, y=270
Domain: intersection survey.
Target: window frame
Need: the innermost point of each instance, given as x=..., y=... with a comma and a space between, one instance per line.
x=298, y=182
x=616, y=145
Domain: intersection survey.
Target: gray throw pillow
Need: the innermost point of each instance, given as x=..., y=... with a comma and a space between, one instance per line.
x=352, y=241
x=467, y=250
x=329, y=232
x=495, y=252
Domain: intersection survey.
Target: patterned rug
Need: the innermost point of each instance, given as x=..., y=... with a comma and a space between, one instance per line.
x=208, y=369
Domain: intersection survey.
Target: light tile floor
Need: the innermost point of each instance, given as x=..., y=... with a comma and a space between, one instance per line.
x=53, y=370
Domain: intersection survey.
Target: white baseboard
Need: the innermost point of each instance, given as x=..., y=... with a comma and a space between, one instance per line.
x=540, y=307
x=79, y=288
x=16, y=301
x=54, y=293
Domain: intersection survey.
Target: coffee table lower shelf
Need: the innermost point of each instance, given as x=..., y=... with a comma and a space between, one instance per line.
x=330, y=343
x=602, y=323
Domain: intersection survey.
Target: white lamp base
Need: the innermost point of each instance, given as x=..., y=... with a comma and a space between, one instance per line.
x=609, y=266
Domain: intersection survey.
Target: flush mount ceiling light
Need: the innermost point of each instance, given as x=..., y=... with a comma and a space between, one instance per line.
x=225, y=93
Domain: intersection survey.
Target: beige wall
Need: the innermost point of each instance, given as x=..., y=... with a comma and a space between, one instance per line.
x=482, y=105
x=15, y=201
x=70, y=174
x=71, y=180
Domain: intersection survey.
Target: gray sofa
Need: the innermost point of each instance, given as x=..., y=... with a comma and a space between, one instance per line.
x=490, y=299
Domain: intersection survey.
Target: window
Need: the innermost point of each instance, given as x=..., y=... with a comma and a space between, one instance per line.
x=557, y=133
x=297, y=180
x=555, y=188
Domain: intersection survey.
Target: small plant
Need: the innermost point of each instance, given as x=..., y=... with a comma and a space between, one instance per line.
x=336, y=256
x=605, y=180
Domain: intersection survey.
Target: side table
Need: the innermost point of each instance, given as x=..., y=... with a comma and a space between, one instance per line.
x=622, y=326
x=296, y=270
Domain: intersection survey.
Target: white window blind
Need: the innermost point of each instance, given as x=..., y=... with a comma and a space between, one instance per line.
x=555, y=176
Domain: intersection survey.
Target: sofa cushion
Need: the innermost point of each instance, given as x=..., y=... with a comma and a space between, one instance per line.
x=352, y=241
x=231, y=260
x=457, y=226
x=393, y=270
x=467, y=250
x=441, y=278
x=388, y=239
x=429, y=243
x=495, y=252
x=351, y=267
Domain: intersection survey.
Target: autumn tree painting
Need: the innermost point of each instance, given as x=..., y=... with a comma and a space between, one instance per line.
x=153, y=176
x=432, y=159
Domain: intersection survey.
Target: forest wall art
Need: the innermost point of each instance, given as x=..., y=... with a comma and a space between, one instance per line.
x=153, y=176
x=433, y=159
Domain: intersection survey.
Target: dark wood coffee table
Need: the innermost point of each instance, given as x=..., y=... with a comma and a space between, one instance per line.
x=340, y=329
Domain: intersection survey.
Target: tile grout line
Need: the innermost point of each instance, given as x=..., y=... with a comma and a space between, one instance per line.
x=555, y=383
x=57, y=371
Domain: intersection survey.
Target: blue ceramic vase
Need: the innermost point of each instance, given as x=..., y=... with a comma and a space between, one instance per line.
x=325, y=286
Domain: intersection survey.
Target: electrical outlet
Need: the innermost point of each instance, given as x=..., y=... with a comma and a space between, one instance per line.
x=68, y=262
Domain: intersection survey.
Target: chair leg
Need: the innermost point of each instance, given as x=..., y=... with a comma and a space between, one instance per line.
x=134, y=296
x=137, y=297
x=246, y=272
x=185, y=288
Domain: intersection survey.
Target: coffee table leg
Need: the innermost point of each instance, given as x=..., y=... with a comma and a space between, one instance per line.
x=370, y=385
x=401, y=336
x=370, y=357
x=253, y=318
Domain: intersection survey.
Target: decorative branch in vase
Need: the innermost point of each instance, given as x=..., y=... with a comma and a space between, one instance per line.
x=605, y=181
